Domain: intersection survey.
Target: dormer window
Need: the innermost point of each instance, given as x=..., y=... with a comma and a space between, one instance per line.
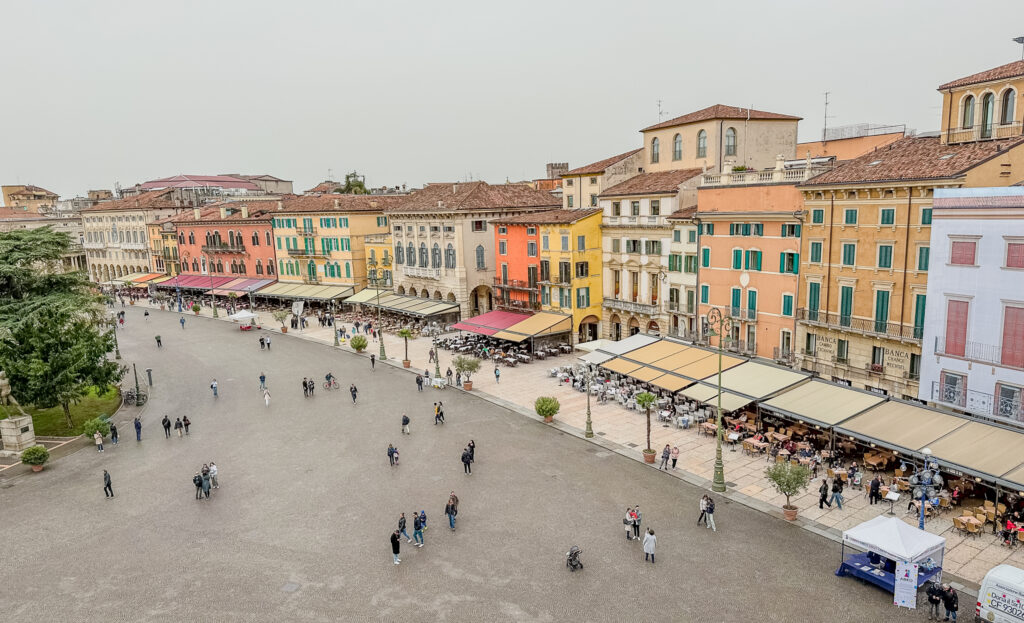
x=1006, y=107
x=967, y=118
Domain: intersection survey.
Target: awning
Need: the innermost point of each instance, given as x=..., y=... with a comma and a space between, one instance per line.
x=895, y=539
x=756, y=379
x=822, y=403
x=136, y=278
x=305, y=291
x=684, y=358
x=198, y=282
x=981, y=448
x=148, y=278
x=366, y=294
x=1016, y=477
x=593, y=345
x=658, y=350
x=631, y=343
x=596, y=357
x=730, y=401
x=490, y=322
x=240, y=286
x=542, y=323
x=620, y=365
x=707, y=365
x=410, y=305
x=160, y=279
x=671, y=382
x=900, y=425
x=700, y=392
x=646, y=374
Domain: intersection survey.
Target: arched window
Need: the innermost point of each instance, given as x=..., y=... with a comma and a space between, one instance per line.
x=270, y=267
x=481, y=262
x=424, y=259
x=435, y=256
x=234, y=265
x=399, y=254
x=1006, y=107
x=702, y=144
x=410, y=252
x=348, y=270
x=311, y=270
x=209, y=239
x=241, y=266
x=655, y=149
x=449, y=256
x=204, y=264
x=181, y=237
x=373, y=255
x=195, y=266
x=255, y=238
x=730, y=142
x=231, y=238
x=967, y=118
x=677, y=147
x=988, y=114
x=220, y=266
x=216, y=237
x=259, y=267
x=191, y=237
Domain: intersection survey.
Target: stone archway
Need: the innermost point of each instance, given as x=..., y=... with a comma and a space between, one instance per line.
x=652, y=328
x=412, y=292
x=634, y=326
x=615, y=327
x=424, y=294
x=481, y=300
x=400, y=290
x=588, y=329
x=451, y=297
x=437, y=295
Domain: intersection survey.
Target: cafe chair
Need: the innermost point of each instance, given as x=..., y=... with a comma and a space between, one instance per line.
x=973, y=529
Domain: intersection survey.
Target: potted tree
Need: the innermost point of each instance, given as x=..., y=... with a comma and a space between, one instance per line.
x=358, y=343
x=196, y=308
x=466, y=366
x=547, y=407
x=129, y=286
x=232, y=301
x=405, y=334
x=35, y=456
x=280, y=316
x=644, y=400
x=788, y=479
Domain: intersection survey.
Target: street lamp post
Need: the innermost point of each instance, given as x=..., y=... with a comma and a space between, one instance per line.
x=375, y=282
x=437, y=356
x=724, y=324
x=334, y=325
x=589, y=434
x=928, y=479
x=113, y=325
x=213, y=298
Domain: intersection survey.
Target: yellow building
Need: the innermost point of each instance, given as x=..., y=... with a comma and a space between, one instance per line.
x=163, y=246
x=378, y=258
x=322, y=239
x=583, y=185
x=28, y=198
x=983, y=106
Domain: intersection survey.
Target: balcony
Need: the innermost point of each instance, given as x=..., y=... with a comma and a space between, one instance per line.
x=511, y=304
x=864, y=326
x=305, y=231
x=311, y=279
x=223, y=248
x=874, y=368
x=377, y=238
x=745, y=315
x=687, y=309
x=986, y=406
x=980, y=133
x=778, y=175
x=630, y=306
x=635, y=221
x=514, y=284
x=782, y=355
x=984, y=353
x=424, y=273
x=740, y=347
x=310, y=253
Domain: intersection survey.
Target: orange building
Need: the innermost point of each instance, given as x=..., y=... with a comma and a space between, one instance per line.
x=516, y=264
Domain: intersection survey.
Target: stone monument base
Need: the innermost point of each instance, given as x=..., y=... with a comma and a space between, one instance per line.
x=17, y=433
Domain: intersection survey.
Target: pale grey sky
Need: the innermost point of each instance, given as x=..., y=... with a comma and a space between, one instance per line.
x=104, y=91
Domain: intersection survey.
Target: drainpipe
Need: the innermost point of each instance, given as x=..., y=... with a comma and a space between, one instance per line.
x=800, y=215
x=831, y=235
x=721, y=144
x=906, y=256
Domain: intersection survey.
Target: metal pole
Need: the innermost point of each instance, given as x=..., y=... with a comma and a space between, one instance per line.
x=136, y=379
x=437, y=357
x=715, y=318
x=117, y=348
x=334, y=327
x=590, y=429
x=380, y=330
x=213, y=299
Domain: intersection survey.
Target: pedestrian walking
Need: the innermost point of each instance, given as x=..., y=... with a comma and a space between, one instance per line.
x=145, y=315
x=396, y=456
x=497, y=374
x=312, y=386
x=352, y=390
x=401, y=528
x=666, y=453
x=472, y=451
x=213, y=475
x=436, y=416
x=373, y=362
x=263, y=380
x=305, y=387
x=186, y=422
x=166, y=423
x=396, y=546
x=266, y=397
x=440, y=411
x=138, y=429
x=405, y=424
x=391, y=454
x=874, y=490
x=675, y=456
x=213, y=386
x=638, y=518
x=466, y=460
x=268, y=342
x=206, y=484
x=182, y=321
x=417, y=529
x=108, y=490
x=423, y=519
x=627, y=522
x=934, y=593
x=711, y=515
x=650, y=542
x=448, y=375
x=837, y=492
x=159, y=344
x=179, y=427
x=451, y=509
x=950, y=601
x=197, y=480
x=419, y=383
x=263, y=343
x=113, y=433
x=823, y=494
x=458, y=379
x=703, y=510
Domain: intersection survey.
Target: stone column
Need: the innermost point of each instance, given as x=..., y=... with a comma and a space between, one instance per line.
x=17, y=433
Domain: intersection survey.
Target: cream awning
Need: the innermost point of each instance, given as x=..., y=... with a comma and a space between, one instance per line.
x=703, y=367
x=1017, y=478
x=757, y=380
x=629, y=344
x=130, y=278
x=621, y=366
x=981, y=448
x=700, y=392
x=596, y=357
x=656, y=351
x=366, y=294
x=542, y=323
x=730, y=401
x=671, y=382
x=899, y=425
x=646, y=374
x=682, y=358
x=822, y=403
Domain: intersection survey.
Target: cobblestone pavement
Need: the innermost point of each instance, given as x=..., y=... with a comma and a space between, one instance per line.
x=299, y=529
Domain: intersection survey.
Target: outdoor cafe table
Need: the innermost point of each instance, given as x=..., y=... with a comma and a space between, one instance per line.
x=875, y=460
x=709, y=428
x=779, y=437
x=760, y=446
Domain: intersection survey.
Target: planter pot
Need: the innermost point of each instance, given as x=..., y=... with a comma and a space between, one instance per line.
x=468, y=386
x=406, y=363
x=549, y=419
x=162, y=307
x=37, y=468
x=284, y=329
x=196, y=313
x=131, y=302
x=789, y=512
x=649, y=456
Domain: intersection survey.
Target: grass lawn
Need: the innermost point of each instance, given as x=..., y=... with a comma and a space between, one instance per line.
x=50, y=422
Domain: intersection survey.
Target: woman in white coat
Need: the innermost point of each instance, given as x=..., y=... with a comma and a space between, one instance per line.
x=649, y=542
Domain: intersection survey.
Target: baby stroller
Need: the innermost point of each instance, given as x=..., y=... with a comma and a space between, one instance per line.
x=572, y=558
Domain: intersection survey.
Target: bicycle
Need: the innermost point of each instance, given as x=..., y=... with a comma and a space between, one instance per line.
x=333, y=384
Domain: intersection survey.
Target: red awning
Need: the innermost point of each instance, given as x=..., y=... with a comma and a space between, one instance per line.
x=490, y=323
x=195, y=281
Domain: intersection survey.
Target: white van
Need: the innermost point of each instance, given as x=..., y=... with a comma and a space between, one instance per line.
x=1001, y=598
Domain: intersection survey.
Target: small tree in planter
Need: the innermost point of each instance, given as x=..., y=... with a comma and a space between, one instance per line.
x=644, y=400
x=35, y=456
x=405, y=334
x=96, y=424
x=280, y=316
x=466, y=366
x=196, y=308
x=547, y=407
x=788, y=479
x=358, y=343
x=232, y=301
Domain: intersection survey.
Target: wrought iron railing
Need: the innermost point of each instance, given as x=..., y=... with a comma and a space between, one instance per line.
x=978, y=403
x=977, y=351
x=866, y=326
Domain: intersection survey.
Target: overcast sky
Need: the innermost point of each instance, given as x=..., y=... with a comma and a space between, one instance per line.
x=100, y=92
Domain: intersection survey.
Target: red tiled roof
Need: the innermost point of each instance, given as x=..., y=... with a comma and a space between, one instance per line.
x=1009, y=70
x=659, y=183
x=258, y=212
x=475, y=196
x=29, y=188
x=336, y=202
x=720, y=111
x=200, y=181
x=601, y=165
x=149, y=200
x=548, y=217
x=683, y=214
x=325, y=187
x=914, y=158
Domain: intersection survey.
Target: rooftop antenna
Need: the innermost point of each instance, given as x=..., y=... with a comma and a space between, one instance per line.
x=1020, y=40
x=824, y=127
x=661, y=113
x=330, y=175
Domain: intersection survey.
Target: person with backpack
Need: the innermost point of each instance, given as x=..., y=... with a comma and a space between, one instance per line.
x=405, y=424
x=186, y=423
x=466, y=461
x=166, y=422
x=197, y=480
x=417, y=529
x=391, y=454
x=710, y=522
x=823, y=494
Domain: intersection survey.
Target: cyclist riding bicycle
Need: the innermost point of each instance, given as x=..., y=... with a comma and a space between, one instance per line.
x=329, y=378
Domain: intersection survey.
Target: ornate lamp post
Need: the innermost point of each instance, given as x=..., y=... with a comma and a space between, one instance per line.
x=113, y=326
x=213, y=298
x=375, y=282
x=724, y=326
x=589, y=433
x=334, y=326
x=927, y=482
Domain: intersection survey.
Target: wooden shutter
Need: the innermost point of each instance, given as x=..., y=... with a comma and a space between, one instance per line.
x=956, y=327
x=1013, y=337
x=962, y=253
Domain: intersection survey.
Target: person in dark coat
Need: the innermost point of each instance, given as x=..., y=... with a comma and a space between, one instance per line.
x=391, y=455
x=138, y=429
x=467, y=458
x=167, y=426
x=396, y=546
x=178, y=426
x=451, y=509
x=186, y=423
x=197, y=480
x=108, y=490
x=823, y=494
x=113, y=433
x=206, y=484
x=950, y=601
x=934, y=593
x=472, y=451
x=874, y=490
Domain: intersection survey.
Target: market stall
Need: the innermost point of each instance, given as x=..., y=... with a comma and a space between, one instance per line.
x=886, y=542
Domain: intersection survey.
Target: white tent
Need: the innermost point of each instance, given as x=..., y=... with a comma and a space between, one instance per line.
x=243, y=315
x=895, y=540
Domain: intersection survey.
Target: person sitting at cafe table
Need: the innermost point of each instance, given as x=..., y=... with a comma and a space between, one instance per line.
x=956, y=495
x=1010, y=532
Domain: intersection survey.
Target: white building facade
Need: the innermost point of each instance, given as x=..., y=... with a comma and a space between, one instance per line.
x=973, y=346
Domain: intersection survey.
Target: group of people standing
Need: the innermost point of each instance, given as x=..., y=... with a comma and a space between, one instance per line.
x=419, y=525
x=206, y=479
x=837, y=493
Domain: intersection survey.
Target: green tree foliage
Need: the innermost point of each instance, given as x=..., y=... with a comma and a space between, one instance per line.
x=54, y=335
x=96, y=424
x=546, y=406
x=358, y=342
x=354, y=185
x=788, y=479
x=467, y=366
x=644, y=400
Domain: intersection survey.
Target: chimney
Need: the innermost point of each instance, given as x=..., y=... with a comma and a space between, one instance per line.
x=455, y=189
x=196, y=214
x=223, y=212
x=280, y=205
x=245, y=211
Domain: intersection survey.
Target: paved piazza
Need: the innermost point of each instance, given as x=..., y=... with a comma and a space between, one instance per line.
x=299, y=529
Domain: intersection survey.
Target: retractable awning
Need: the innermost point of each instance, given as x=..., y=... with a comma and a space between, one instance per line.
x=367, y=295
x=490, y=322
x=198, y=282
x=620, y=365
x=402, y=304
x=136, y=278
x=756, y=380
x=543, y=323
x=825, y=404
x=657, y=350
x=900, y=425
x=240, y=286
x=671, y=382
